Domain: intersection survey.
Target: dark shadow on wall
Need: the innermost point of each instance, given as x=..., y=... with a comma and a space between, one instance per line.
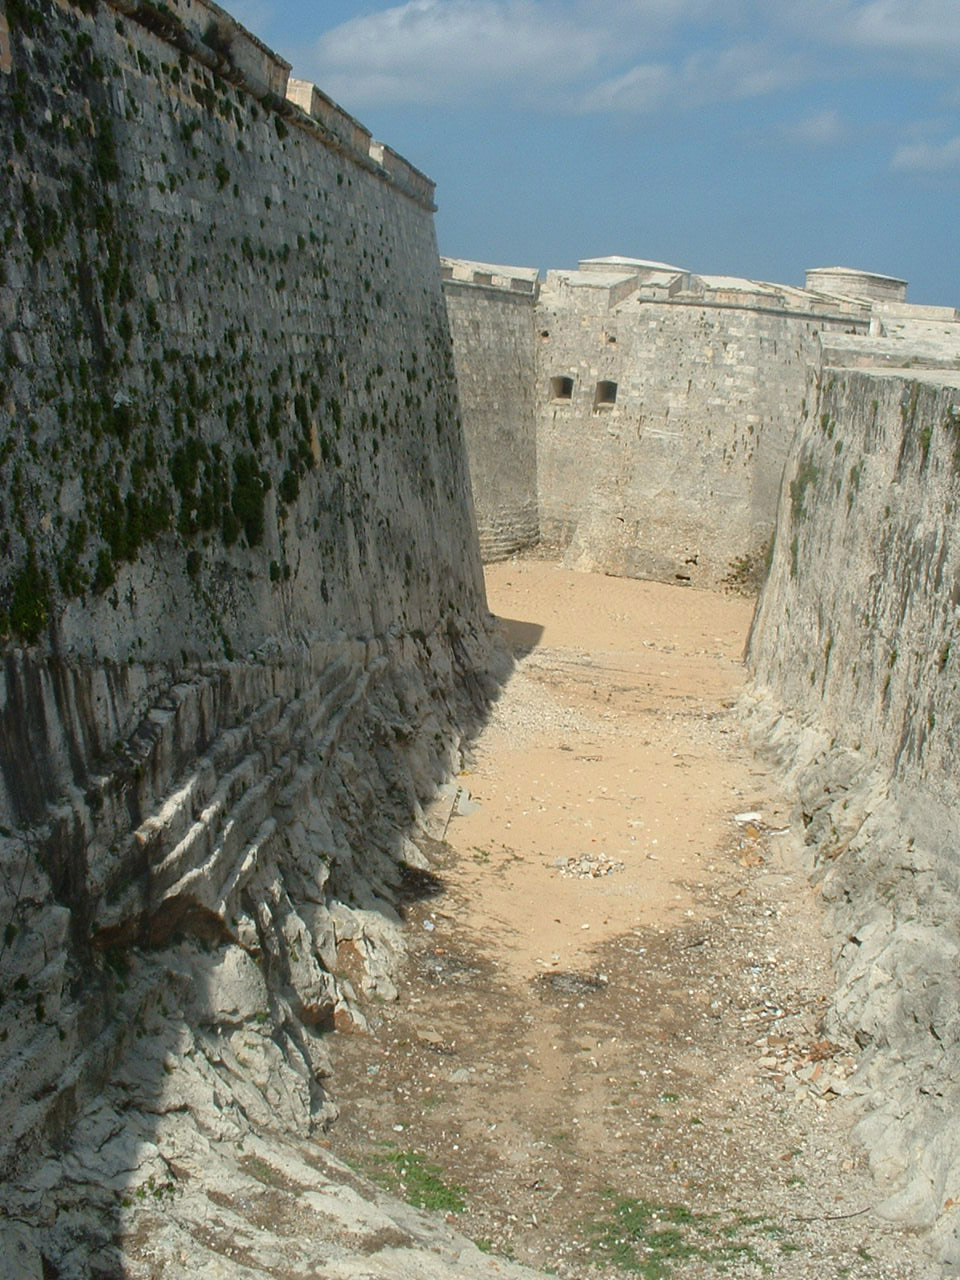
x=212, y=965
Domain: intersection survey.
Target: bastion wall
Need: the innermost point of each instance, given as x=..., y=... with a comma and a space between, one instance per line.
x=241, y=601
x=856, y=695
x=491, y=314
x=663, y=404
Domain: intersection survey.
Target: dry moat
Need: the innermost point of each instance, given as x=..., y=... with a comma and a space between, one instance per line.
x=608, y=1049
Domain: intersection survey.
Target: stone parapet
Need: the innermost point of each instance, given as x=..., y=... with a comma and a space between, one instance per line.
x=342, y=126
x=523, y=280
x=338, y=128
x=207, y=32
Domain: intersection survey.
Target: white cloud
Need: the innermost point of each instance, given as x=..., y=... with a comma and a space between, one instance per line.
x=823, y=129
x=626, y=56
x=927, y=26
x=911, y=31
x=916, y=157
x=704, y=77
x=563, y=55
x=640, y=89
x=444, y=50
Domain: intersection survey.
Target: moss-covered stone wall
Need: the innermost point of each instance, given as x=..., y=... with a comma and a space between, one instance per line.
x=226, y=403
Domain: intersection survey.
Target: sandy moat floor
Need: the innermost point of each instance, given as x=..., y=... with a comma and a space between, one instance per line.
x=607, y=1057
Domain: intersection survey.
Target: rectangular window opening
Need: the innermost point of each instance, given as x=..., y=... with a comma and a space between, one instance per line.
x=561, y=388
x=606, y=394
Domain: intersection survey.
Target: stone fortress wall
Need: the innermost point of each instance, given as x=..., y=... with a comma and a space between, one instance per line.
x=243, y=619
x=856, y=696
x=664, y=406
x=241, y=602
x=495, y=356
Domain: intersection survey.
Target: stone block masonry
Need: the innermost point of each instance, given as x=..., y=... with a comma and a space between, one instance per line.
x=491, y=312
x=160, y=408
x=663, y=408
x=241, y=602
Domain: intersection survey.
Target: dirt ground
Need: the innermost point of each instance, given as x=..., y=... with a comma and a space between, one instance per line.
x=607, y=1057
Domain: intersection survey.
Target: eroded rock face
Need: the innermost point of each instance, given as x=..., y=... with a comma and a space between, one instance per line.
x=243, y=621
x=192, y=962
x=854, y=655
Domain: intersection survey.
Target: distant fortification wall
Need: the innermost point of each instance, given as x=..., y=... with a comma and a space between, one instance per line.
x=241, y=603
x=854, y=653
x=664, y=461
x=492, y=313
x=664, y=407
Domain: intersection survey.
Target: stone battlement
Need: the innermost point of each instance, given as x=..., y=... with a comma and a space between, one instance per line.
x=339, y=129
x=207, y=33
x=197, y=26
x=523, y=280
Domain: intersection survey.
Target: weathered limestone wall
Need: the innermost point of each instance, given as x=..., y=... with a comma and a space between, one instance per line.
x=190, y=396
x=243, y=620
x=678, y=478
x=854, y=653
x=492, y=315
x=868, y=649
x=645, y=430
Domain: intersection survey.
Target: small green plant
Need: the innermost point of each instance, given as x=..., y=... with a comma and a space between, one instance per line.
x=647, y=1239
x=248, y=497
x=30, y=600
x=420, y=1182
x=217, y=38
x=924, y=436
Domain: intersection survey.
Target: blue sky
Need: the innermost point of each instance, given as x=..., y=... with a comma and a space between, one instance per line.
x=742, y=137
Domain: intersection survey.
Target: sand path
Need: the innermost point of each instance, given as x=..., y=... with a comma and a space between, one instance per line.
x=611, y=752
